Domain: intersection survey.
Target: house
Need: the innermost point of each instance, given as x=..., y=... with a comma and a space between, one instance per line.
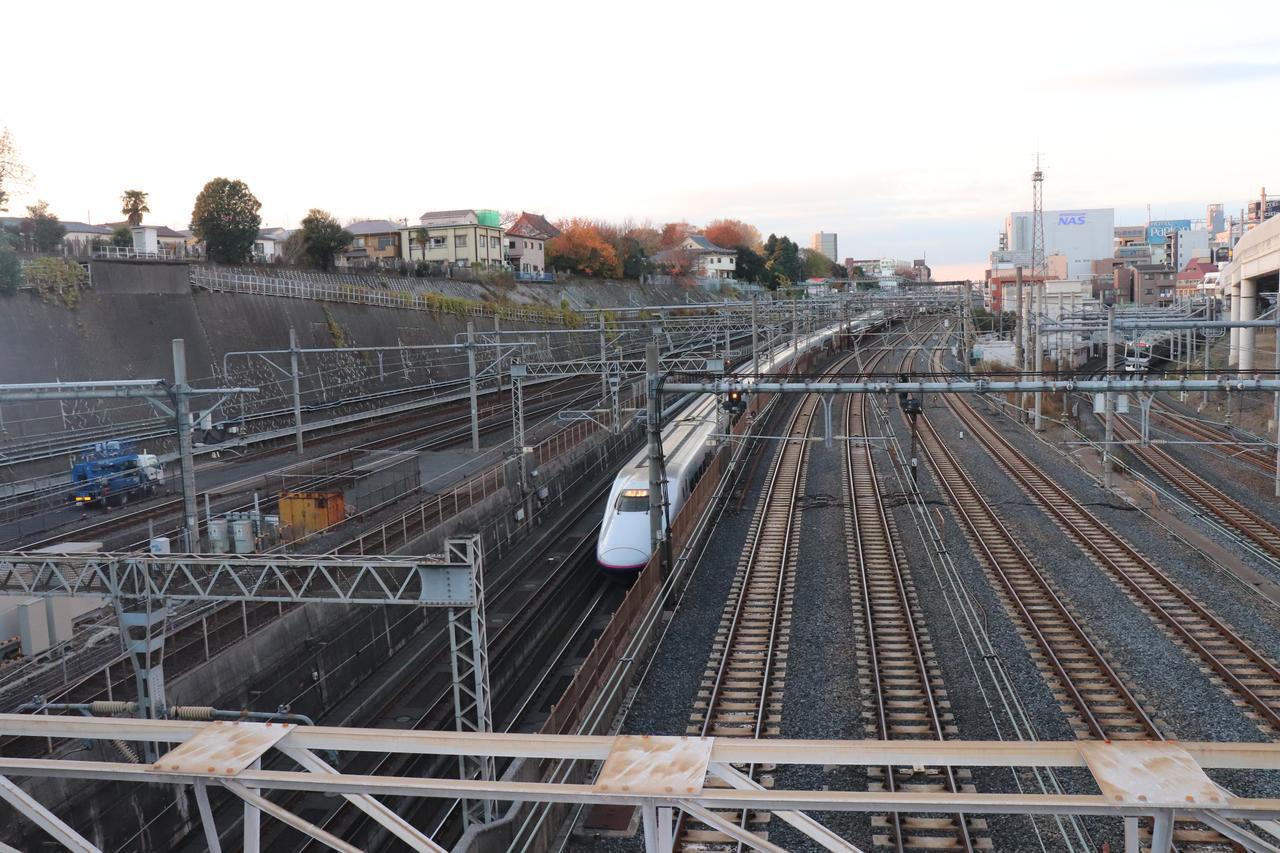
x=707, y=259
x=374, y=241
x=526, y=243
x=269, y=246
x=1192, y=279
x=80, y=236
x=457, y=237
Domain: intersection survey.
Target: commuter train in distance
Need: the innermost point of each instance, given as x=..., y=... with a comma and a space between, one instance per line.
x=623, y=547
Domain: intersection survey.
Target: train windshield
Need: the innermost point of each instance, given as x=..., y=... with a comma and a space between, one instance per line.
x=633, y=500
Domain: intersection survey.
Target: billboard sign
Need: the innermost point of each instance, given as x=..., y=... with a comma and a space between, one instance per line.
x=1067, y=217
x=1161, y=228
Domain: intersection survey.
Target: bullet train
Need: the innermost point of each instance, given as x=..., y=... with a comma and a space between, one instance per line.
x=623, y=547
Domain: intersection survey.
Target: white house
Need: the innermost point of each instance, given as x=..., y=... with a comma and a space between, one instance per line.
x=709, y=260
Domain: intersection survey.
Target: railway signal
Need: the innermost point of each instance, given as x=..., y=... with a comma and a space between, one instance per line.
x=734, y=402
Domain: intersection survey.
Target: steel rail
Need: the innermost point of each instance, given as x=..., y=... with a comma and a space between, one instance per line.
x=1165, y=601
x=889, y=614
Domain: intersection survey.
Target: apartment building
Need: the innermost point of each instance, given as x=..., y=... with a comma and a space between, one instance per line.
x=457, y=237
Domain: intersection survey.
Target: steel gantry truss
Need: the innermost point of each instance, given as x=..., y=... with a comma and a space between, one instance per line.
x=143, y=586
x=1159, y=781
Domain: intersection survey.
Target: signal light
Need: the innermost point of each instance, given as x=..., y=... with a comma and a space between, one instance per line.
x=735, y=402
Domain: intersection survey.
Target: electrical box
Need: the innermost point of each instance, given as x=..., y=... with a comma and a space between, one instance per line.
x=307, y=512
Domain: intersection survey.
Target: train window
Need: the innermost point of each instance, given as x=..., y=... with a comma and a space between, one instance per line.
x=633, y=500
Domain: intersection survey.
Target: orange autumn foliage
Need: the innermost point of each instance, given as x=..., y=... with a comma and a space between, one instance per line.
x=581, y=248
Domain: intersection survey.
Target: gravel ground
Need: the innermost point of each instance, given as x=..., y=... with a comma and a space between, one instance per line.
x=1244, y=483
x=973, y=709
x=664, y=700
x=822, y=697
x=1170, y=682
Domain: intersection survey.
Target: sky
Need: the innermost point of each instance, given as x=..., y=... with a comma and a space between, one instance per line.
x=909, y=129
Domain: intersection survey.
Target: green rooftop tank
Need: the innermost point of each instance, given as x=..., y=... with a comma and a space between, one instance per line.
x=489, y=218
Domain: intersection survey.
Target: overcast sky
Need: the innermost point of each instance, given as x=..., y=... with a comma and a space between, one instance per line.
x=906, y=127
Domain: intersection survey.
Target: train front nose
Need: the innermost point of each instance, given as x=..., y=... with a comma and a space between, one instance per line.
x=621, y=559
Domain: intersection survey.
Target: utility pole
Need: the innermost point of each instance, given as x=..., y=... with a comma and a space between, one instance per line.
x=755, y=336
x=1037, y=357
x=1109, y=405
x=474, y=390
x=1019, y=351
x=182, y=411
x=656, y=533
x=795, y=333
x=297, y=394
x=1275, y=345
x=604, y=369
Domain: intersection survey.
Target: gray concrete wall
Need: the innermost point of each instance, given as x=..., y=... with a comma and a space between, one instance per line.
x=122, y=326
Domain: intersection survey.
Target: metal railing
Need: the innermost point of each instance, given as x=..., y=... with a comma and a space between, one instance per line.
x=386, y=291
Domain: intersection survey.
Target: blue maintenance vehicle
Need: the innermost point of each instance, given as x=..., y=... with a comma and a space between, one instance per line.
x=111, y=473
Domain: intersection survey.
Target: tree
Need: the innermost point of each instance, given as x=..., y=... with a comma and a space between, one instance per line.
x=12, y=172
x=781, y=261
x=816, y=265
x=10, y=270
x=751, y=266
x=46, y=231
x=122, y=237
x=673, y=234
x=226, y=220
x=581, y=248
x=322, y=238
x=733, y=234
x=133, y=203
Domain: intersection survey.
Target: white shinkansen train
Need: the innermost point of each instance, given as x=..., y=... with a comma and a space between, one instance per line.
x=623, y=547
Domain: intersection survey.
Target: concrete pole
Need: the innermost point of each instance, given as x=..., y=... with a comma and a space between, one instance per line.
x=755, y=335
x=967, y=301
x=655, y=449
x=473, y=387
x=604, y=369
x=1110, y=406
x=1038, y=361
x=1233, y=355
x=1248, y=311
x=1275, y=415
x=182, y=411
x=297, y=394
x=1020, y=324
x=795, y=333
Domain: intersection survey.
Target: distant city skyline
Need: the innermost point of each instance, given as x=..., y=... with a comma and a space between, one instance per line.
x=924, y=162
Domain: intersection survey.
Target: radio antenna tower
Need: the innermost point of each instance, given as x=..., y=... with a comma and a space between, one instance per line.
x=1038, y=264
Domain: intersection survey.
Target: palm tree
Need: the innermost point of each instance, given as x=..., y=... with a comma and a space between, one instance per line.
x=133, y=205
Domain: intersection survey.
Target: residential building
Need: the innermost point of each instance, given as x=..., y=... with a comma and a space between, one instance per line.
x=80, y=236
x=1215, y=218
x=269, y=247
x=527, y=241
x=709, y=260
x=869, y=266
x=373, y=241
x=1146, y=284
x=1191, y=280
x=921, y=270
x=1183, y=247
x=457, y=237
x=826, y=243
x=1082, y=236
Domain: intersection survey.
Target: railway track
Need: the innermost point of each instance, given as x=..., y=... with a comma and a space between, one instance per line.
x=1212, y=500
x=1251, y=678
x=900, y=674
x=1255, y=457
x=494, y=418
x=1095, y=699
x=741, y=693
